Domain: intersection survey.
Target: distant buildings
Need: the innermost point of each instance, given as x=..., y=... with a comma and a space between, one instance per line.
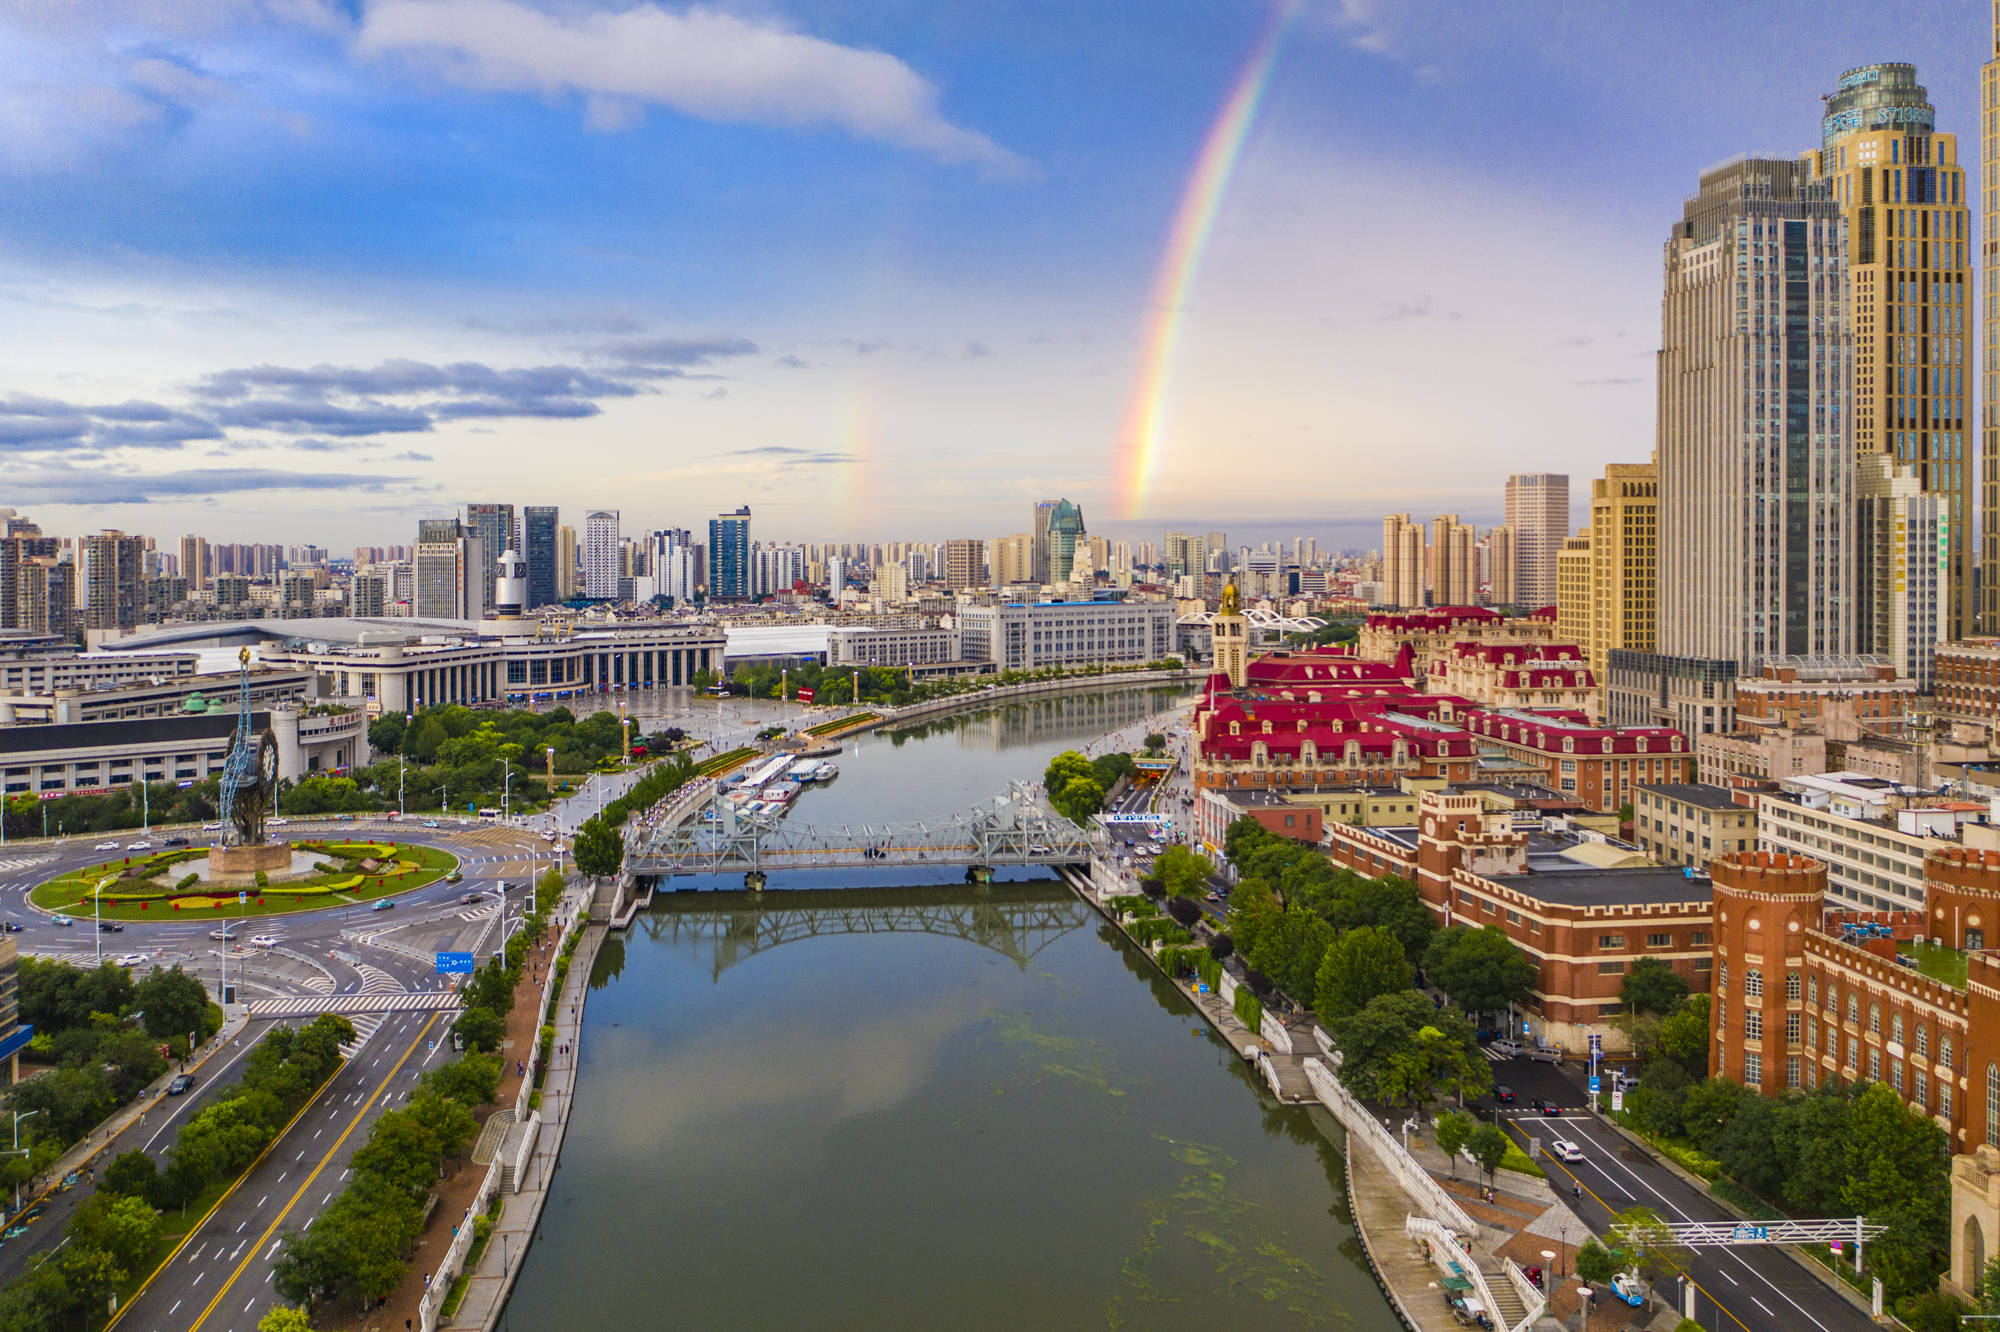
x=450, y=571
x=1033, y=635
x=1538, y=517
x=493, y=524
x=1057, y=532
x=600, y=554
x=542, y=551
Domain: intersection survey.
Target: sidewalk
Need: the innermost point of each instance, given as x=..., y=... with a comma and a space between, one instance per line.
x=486, y=1293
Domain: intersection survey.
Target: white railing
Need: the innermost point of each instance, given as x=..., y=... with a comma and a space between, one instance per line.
x=571, y=904
x=1533, y=1298
x=1416, y=1181
x=1275, y=1031
x=1446, y=1252
x=454, y=1254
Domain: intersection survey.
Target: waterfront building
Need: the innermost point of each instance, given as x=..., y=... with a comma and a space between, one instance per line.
x=868, y=645
x=1901, y=188
x=1538, y=516
x=1028, y=636
x=1754, y=377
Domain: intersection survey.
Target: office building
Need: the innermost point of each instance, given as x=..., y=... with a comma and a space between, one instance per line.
x=729, y=569
x=964, y=564
x=1058, y=530
x=1624, y=563
x=1901, y=189
x=1014, y=559
x=1755, y=451
x=1573, y=590
x=493, y=524
x=1500, y=566
x=600, y=554
x=569, y=564
x=1538, y=515
x=1453, y=572
x=1033, y=635
x=1903, y=553
x=1403, y=562
x=1680, y=823
x=541, y=550
x=1185, y=553
x=450, y=582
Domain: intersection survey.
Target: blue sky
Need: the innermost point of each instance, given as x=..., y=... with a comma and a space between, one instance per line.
x=308, y=269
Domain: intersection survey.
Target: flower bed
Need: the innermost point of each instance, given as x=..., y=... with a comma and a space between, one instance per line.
x=97, y=890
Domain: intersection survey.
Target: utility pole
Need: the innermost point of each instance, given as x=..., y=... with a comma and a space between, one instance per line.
x=401, y=772
x=506, y=791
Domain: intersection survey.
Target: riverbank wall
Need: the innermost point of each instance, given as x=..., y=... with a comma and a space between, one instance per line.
x=975, y=700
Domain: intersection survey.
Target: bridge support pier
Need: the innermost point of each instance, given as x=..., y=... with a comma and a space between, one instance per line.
x=979, y=874
x=754, y=881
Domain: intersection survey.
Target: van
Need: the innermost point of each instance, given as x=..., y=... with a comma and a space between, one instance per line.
x=1506, y=1049
x=1547, y=1054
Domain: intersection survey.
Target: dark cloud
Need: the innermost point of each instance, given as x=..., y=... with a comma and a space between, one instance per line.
x=662, y=357
x=402, y=379
x=31, y=423
x=301, y=415
x=790, y=362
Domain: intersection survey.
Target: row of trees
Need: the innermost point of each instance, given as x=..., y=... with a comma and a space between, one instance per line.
x=115, y=1235
x=358, y=1246
x=888, y=685
x=105, y=1035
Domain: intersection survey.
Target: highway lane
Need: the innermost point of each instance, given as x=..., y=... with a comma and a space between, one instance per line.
x=221, y=1278
x=1748, y=1289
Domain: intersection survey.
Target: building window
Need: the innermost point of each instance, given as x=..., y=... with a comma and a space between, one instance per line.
x=1753, y=1024
x=1923, y=1041
x=1944, y=1054
x=1854, y=1008
x=1659, y=941
x=1753, y=983
x=1896, y=1076
x=1791, y=1070
x=1792, y=1028
x=1874, y=1065
x=1853, y=1051
x=1698, y=938
x=1896, y=1028
x=1992, y=1104
x=1875, y=1018
x=1792, y=985
x=1753, y=1069
x=1610, y=968
x=1812, y=1035
x=1609, y=942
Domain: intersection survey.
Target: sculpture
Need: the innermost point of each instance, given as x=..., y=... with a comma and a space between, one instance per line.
x=250, y=773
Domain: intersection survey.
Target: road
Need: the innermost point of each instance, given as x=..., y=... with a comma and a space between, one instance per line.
x=221, y=1278
x=1749, y=1289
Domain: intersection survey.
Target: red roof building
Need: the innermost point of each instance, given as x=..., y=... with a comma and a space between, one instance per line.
x=1518, y=675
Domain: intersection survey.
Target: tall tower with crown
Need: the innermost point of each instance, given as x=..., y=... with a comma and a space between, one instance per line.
x=1230, y=633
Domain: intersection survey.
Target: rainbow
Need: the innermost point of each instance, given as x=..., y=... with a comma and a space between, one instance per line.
x=1139, y=442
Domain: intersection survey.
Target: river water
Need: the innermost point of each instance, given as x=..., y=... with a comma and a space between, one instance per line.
x=926, y=1105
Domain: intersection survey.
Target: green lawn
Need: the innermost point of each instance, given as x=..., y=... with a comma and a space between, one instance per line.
x=1940, y=963
x=839, y=723
x=71, y=892
x=721, y=763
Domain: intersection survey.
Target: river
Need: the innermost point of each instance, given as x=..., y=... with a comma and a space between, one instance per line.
x=927, y=1106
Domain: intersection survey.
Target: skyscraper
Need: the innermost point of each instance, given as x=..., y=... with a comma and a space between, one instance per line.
x=1902, y=191
x=1452, y=571
x=964, y=564
x=729, y=566
x=1904, y=533
x=600, y=554
x=1989, y=388
x=1624, y=562
x=1058, y=529
x=1014, y=559
x=450, y=578
x=1756, y=453
x=112, y=579
x=1186, y=553
x=1402, y=561
x=195, y=562
x=1538, y=512
x=1500, y=566
x=538, y=537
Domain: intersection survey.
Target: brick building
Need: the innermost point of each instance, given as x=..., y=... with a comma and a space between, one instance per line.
x=1429, y=634
x=1518, y=675
x=1599, y=765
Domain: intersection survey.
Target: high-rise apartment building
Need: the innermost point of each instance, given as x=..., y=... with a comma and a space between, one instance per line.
x=1903, y=536
x=1186, y=553
x=729, y=571
x=112, y=580
x=1014, y=559
x=600, y=554
x=964, y=564
x=1453, y=567
x=1402, y=562
x=1538, y=514
x=195, y=563
x=368, y=595
x=1989, y=387
x=569, y=564
x=1058, y=529
x=1624, y=563
x=539, y=549
x=1909, y=264
x=450, y=564
x=1500, y=566
x=1216, y=544
x=1755, y=452
x=21, y=542
x=44, y=595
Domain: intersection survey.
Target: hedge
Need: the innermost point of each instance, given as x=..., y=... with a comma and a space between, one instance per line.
x=1249, y=1009
x=1181, y=961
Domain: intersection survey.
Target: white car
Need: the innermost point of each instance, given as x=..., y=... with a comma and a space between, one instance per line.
x=131, y=959
x=139, y=846
x=106, y=846
x=1565, y=1150
x=263, y=941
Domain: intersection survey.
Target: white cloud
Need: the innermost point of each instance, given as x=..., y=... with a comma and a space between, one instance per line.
x=174, y=83
x=698, y=61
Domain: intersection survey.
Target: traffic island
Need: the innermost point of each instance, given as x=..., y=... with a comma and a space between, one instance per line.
x=168, y=886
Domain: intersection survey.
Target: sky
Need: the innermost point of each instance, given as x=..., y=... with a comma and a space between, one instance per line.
x=310, y=270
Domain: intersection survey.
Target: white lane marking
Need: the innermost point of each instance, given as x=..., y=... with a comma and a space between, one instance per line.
x=170, y=1312
x=273, y=1249
x=239, y=1229
x=1761, y=1305
x=1730, y=1279
x=197, y=1280
x=261, y=1201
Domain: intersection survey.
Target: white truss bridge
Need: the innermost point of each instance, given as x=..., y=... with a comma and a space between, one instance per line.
x=1012, y=829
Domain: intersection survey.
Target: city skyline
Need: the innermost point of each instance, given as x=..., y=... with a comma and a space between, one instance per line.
x=966, y=323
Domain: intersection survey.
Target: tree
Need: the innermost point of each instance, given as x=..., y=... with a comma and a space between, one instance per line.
x=1488, y=1145
x=1155, y=741
x=1252, y=909
x=1710, y=1106
x=471, y=1079
x=1479, y=968
x=1595, y=1263
x=284, y=1318
x=125, y=1227
x=1063, y=769
x=1899, y=1175
x=1078, y=798
x=1184, y=872
x=133, y=1174
x=1290, y=951
x=1651, y=986
x=70, y=1101
x=1358, y=966
x=401, y=1152
x=447, y=1120
x=385, y=733
x=1400, y=1049
x=1454, y=1131
x=174, y=1003
x=481, y=1029
x=1684, y=1035
x=1648, y=1243
x=599, y=849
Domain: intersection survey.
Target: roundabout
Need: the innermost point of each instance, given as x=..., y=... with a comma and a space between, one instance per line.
x=171, y=886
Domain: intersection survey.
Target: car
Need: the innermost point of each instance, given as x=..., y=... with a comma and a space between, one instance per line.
x=110, y=927
x=454, y=877
x=106, y=846
x=1565, y=1150
x=225, y=934
x=1503, y=1093
x=1214, y=897
x=1505, y=1048
x=1627, y=1287
x=10, y=927
x=277, y=823
x=175, y=841
x=130, y=959
x=61, y=920
x=180, y=1084
x=384, y=904
x=471, y=897
x=211, y=827
x=141, y=845
x=263, y=941
x=1547, y=1054
x=430, y=823
x=1543, y=1105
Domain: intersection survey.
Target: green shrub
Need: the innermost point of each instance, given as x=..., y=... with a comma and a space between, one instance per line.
x=187, y=882
x=1248, y=1009
x=1181, y=961
x=262, y=880
x=1210, y=971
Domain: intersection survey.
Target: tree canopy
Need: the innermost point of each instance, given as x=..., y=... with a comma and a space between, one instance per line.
x=1480, y=969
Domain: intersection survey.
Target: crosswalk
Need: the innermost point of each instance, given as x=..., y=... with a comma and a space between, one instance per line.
x=23, y=862
x=374, y=980
x=311, y=1005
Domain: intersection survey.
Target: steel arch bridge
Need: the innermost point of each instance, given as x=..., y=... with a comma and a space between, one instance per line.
x=1015, y=929
x=1014, y=828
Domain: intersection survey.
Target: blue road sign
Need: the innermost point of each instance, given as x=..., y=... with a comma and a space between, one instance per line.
x=1593, y=1084
x=454, y=964
x=1744, y=1233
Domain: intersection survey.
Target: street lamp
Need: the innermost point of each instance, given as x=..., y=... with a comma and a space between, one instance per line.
x=506, y=791
x=20, y=1115
x=444, y=801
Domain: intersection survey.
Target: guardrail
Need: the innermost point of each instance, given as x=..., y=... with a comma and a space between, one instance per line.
x=454, y=1254
x=1447, y=1253
x=1416, y=1181
x=1533, y=1298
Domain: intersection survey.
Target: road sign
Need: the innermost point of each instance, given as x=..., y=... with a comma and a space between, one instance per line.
x=1593, y=1084
x=1747, y=1233
x=454, y=964
x=1618, y=1095
x=1596, y=1043
x=241, y=897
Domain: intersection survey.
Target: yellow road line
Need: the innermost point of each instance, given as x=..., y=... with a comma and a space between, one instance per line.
x=307, y=1183
x=1685, y=1275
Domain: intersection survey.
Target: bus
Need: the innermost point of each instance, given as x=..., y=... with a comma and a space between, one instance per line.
x=490, y=814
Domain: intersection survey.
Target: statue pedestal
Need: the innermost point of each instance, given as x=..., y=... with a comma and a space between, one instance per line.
x=245, y=861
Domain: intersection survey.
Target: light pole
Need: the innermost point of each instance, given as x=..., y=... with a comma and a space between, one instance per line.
x=97, y=917
x=552, y=785
x=506, y=791
x=402, y=770
x=20, y=1115
x=145, y=807
x=444, y=802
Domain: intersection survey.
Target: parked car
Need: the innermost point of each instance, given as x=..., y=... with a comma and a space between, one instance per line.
x=130, y=959
x=1565, y=1150
x=263, y=941
x=384, y=904
x=1627, y=1287
x=1503, y=1093
x=180, y=1084
x=225, y=934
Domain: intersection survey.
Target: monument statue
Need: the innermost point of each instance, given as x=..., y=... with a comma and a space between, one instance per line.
x=250, y=773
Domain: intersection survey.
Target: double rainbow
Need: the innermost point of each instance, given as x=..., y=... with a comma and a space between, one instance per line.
x=1139, y=443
